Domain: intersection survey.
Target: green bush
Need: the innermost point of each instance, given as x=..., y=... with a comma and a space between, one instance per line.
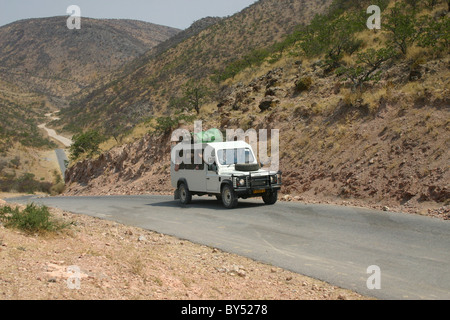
x=303, y=84
x=165, y=124
x=33, y=219
x=86, y=143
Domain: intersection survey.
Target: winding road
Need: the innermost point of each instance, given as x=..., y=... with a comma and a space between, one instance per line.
x=61, y=154
x=330, y=243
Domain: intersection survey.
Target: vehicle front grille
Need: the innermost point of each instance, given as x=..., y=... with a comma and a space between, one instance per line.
x=260, y=182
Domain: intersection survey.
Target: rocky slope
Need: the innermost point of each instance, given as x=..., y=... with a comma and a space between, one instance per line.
x=389, y=152
x=146, y=88
x=43, y=55
x=383, y=145
x=42, y=63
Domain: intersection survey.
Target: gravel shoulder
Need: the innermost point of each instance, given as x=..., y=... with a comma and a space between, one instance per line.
x=120, y=262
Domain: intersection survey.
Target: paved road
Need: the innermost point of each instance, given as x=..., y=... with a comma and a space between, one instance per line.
x=334, y=244
x=61, y=156
x=52, y=133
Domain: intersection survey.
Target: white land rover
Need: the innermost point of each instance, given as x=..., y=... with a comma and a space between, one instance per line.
x=230, y=172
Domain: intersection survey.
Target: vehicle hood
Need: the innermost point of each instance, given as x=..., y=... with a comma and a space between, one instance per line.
x=259, y=173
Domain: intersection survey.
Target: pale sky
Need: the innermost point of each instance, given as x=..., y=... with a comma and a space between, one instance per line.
x=174, y=13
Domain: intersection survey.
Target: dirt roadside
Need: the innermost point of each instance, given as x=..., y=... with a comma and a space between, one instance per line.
x=116, y=262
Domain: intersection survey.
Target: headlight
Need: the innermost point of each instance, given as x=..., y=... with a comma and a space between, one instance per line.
x=239, y=182
x=273, y=179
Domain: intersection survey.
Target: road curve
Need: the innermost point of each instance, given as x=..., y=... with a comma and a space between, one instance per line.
x=52, y=134
x=61, y=154
x=330, y=243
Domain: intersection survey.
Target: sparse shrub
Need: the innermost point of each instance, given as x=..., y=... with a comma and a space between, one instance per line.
x=33, y=219
x=436, y=34
x=402, y=27
x=57, y=188
x=303, y=84
x=24, y=184
x=86, y=143
x=165, y=124
x=367, y=67
x=332, y=36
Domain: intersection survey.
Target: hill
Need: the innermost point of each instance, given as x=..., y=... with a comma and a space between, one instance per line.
x=362, y=121
x=42, y=63
x=150, y=84
x=44, y=56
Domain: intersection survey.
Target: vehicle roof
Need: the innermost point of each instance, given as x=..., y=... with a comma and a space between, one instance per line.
x=222, y=145
x=229, y=145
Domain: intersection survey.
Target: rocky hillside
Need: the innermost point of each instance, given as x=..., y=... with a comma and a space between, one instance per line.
x=44, y=56
x=395, y=156
x=42, y=63
x=150, y=85
x=383, y=144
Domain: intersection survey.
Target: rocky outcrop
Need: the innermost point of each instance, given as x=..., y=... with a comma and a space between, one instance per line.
x=136, y=168
x=334, y=149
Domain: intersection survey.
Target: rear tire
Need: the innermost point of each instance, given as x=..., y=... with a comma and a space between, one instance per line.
x=229, y=198
x=185, y=194
x=270, y=198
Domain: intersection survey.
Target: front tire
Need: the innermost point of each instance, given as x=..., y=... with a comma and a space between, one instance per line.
x=229, y=198
x=185, y=194
x=270, y=198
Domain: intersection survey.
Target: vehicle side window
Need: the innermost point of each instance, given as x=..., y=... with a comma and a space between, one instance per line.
x=192, y=165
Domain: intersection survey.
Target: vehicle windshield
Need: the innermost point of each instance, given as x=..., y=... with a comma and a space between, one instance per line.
x=235, y=156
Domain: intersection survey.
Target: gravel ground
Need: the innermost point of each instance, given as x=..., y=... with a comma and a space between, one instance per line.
x=97, y=259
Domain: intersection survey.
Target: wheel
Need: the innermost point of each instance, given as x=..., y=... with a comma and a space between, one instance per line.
x=270, y=198
x=229, y=198
x=185, y=194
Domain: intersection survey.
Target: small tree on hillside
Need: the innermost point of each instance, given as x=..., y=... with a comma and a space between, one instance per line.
x=332, y=37
x=194, y=95
x=402, y=26
x=436, y=34
x=367, y=67
x=86, y=143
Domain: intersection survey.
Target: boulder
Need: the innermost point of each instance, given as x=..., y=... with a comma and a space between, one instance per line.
x=268, y=103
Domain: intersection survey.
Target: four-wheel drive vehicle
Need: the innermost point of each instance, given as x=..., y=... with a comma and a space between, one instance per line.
x=230, y=172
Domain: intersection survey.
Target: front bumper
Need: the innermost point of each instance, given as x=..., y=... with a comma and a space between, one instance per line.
x=256, y=192
x=256, y=186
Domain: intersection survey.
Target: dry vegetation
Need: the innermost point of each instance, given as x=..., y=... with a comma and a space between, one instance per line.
x=57, y=66
x=146, y=87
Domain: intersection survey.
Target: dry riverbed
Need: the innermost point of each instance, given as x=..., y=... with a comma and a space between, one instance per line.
x=121, y=262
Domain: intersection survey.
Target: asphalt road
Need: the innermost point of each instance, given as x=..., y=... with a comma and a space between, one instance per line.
x=61, y=156
x=333, y=244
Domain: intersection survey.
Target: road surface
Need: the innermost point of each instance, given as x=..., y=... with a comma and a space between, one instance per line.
x=52, y=134
x=330, y=243
x=61, y=154
x=62, y=158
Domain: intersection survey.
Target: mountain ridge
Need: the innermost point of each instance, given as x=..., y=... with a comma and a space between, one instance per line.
x=149, y=87
x=44, y=54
